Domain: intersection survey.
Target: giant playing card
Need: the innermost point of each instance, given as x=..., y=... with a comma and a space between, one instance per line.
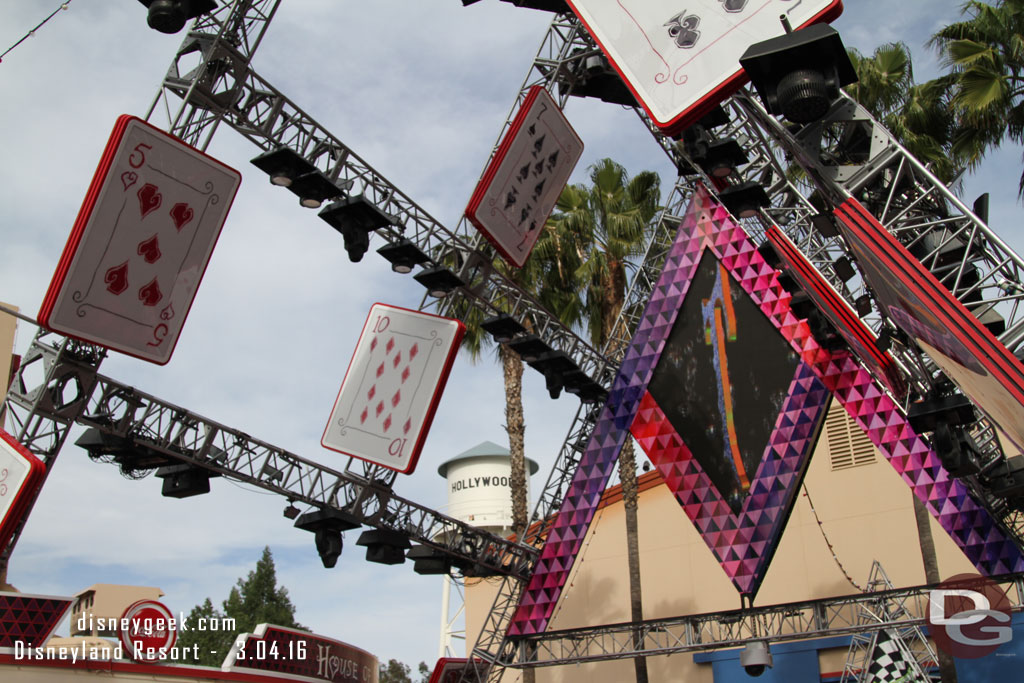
x=521, y=184
x=391, y=389
x=21, y=474
x=141, y=243
x=680, y=59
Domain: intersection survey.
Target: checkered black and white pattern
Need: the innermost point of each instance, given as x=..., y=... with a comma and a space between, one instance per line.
x=888, y=664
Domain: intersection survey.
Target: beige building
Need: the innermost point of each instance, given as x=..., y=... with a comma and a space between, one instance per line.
x=862, y=511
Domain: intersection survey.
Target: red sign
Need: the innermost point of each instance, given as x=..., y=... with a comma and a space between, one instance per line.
x=289, y=651
x=969, y=616
x=147, y=631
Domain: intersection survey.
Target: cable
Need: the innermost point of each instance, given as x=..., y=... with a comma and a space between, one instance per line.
x=807, y=494
x=63, y=6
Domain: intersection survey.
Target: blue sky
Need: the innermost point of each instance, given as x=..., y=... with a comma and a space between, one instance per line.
x=418, y=89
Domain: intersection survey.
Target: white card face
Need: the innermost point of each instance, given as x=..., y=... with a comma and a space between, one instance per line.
x=676, y=56
x=512, y=205
x=15, y=470
x=394, y=380
x=145, y=245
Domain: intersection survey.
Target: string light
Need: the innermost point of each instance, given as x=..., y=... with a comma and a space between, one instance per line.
x=32, y=32
x=807, y=494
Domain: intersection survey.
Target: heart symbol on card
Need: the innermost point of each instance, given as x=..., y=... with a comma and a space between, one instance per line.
x=181, y=214
x=149, y=250
x=117, y=278
x=150, y=294
x=129, y=178
x=149, y=199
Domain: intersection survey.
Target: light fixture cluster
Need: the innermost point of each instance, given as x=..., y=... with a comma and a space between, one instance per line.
x=169, y=16
x=353, y=216
x=560, y=372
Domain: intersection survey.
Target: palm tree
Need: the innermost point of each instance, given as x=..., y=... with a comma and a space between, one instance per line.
x=985, y=57
x=596, y=235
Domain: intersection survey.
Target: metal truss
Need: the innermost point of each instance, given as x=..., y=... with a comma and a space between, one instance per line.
x=158, y=433
x=914, y=648
x=904, y=608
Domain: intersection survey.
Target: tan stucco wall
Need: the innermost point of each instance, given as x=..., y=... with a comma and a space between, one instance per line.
x=865, y=511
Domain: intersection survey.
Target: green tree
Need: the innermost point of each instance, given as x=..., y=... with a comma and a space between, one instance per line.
x=397, y=672
x=985, y=57
x=596, y=235
x=255, y=600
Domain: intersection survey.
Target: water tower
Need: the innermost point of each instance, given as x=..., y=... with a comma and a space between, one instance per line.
x=479, y=493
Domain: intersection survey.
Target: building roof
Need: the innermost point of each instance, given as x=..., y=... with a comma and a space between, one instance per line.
x=483, y=449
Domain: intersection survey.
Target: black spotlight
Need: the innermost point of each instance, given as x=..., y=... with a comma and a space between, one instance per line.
x=183, y=481
x=327, y=525
x=384, y=546
x=554, y=366
x=169, y=16
x=744, y=199
x=557, y=6
x=862, y=304
x=596, y=78
x=429, y=561
x=355, y=218
x=530, y=348
x=925, y=415
x=439, y=281
x=577, y=382
x=843, y=269
x=503, y=327
x=956, y=449
x=283, y=165
x=721, y=158
x=403, y=255
x=798, y=75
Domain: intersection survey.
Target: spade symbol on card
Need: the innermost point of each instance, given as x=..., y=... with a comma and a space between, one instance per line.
x=734, y=5
x=149, y=250
x=538, y=189
x=116, y=278
x=149, y=199
x=524, y=172
x=129, y=178
x=168, y=312
x=511, y=198
x=150, y=294
x=538, y=145
x=181, y=214
x=532, y=130
x=538, y=168
x=524, y=214
x=552, y=160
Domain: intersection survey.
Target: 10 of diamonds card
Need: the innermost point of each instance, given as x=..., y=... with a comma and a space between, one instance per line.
x=519, y=189
x=21, y=475
x=140, y=244
x=392, y=386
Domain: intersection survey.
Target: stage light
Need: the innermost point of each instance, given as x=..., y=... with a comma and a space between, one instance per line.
x=596, y=78
x=184, y=480
x=745, y=199
x=283, y=165
x=384, y=546
x=925, y=415
x=755, y=658
x=956, y=449
x=291, y=512
x=429, y=561
x=314, y=188
x=556, y=6
x=169, y=16
x=825, y=225
x=722, y=158
x=580, y=385
x=554, y=366
x=439, y=281
x=403, y=255
x=355, y=218
x=503, y=327
x=530, y=347
x=327, y=525
x=863, y=305
x=798, y=75
x=843, y=269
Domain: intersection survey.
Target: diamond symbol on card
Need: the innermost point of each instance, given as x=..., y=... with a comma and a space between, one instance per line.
x=396, y=399
x=398, y=359
x=387, y=423
x=371, y=393
x=379, y=409
x=407, y=426
x=413, y=351
x=390, y=345
x=405, y=373
x=363, y=415
x=373, y=343
x=380, y=369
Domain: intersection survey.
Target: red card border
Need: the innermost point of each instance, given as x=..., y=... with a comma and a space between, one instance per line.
x=428, y=417
x=839, y=313
x=85, y=213
x=492, y=170
x=961, y=324
x=24, y=496
x=730, y=85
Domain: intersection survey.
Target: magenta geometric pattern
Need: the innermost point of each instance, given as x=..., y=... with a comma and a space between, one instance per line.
x=30, y=619
x=707, y=225
x=743, y=543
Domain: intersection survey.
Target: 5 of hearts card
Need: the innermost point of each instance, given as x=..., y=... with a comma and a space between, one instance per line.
x=140, y=244
x=392, y=386
x=682, y=59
